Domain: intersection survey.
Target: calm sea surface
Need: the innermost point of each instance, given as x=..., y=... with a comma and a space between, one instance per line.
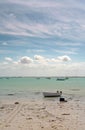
x=33, y=87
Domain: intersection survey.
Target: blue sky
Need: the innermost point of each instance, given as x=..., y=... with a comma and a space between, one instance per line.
x=42, y=37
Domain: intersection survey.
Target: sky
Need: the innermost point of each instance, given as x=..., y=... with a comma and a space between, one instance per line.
x=42, y=37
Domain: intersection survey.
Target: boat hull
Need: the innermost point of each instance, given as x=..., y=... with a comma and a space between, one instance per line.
x=48, y=94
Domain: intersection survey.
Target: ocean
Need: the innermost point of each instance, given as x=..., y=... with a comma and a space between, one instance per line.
x=32, y=87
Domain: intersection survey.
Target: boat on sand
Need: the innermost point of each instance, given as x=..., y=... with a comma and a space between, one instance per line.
x=52, y=94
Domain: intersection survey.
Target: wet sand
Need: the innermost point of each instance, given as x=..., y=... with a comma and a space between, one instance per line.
x=42, y=115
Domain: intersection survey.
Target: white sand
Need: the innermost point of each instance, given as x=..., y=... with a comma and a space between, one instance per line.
x=42, y=115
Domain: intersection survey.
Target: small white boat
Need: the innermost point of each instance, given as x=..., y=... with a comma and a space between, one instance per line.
x=50, y=94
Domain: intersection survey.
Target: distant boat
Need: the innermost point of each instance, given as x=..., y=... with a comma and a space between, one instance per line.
x=50, y=94
x=38, y=78
x=48, y=77
x=62, y=78
x=67, y=77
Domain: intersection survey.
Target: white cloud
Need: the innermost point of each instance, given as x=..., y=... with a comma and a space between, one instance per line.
x=70, y=51
x=64, y=58
x=26, y=66
x=69, y=44
x=59, y=69
x=8, y=59
x=40, y=59
x=25, y=60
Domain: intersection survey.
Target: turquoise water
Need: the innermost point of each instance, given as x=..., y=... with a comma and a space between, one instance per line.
x=29, y=87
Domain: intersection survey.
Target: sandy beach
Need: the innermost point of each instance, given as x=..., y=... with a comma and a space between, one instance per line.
x=42, y=115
